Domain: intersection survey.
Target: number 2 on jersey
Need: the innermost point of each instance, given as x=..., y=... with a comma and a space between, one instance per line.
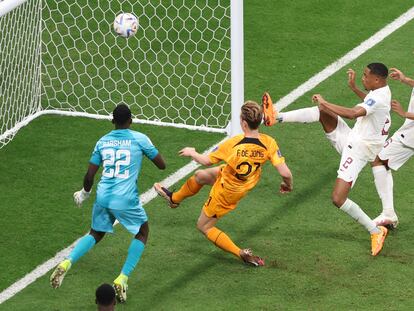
x=248, y=169
x=119, y=158
x=347, y=162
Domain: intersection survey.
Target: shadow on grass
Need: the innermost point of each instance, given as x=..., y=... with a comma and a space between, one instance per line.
x=162, y=292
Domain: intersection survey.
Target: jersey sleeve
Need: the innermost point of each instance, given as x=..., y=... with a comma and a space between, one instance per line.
x=147, y=147
x=370, y=104
x=96, y=157
x=220, y=152
x=275, y=155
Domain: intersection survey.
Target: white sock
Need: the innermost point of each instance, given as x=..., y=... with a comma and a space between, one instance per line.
x=353, y=210
x=384, y=184
x=305, y=115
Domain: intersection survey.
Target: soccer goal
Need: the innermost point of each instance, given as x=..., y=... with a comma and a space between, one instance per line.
x=184, y=67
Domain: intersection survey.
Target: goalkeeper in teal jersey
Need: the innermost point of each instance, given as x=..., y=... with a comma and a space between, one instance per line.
x=120, y=153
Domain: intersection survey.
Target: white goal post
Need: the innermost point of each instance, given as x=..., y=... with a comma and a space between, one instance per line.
x=184, y=67
x=7, y=6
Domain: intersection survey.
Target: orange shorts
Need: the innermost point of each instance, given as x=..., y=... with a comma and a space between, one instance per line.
x=220, y=200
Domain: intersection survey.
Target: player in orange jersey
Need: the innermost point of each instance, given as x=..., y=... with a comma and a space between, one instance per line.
x=244, y=156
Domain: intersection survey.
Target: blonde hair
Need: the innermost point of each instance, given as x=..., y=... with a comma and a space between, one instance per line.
x=252, y=113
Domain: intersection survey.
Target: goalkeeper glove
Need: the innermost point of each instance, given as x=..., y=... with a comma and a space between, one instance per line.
x=80, y=196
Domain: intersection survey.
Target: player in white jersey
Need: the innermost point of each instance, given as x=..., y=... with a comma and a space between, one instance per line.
x=396, y=151
x=358, y=145
x=120, y=153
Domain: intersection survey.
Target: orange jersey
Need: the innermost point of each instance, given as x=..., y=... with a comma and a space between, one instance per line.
x=244, y=157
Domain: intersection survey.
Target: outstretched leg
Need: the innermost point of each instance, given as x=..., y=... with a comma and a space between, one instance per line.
x=328, y=119
x=190, y=188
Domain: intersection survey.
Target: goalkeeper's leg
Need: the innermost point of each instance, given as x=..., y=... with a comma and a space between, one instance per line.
x=136, y=248
x=84, y=245
x=102, y=221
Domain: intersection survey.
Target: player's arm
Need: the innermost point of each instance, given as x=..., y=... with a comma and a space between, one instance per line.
x=89, y=177
x=159, y=161
x=199, y=158
x=150, y=151
x=396, y=107
x=351, y=83
x=85, y=192
x=287, y=179
x=398, y=75
x=348, y=113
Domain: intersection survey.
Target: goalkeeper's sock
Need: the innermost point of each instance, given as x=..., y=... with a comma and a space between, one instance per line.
x=190, y=188
x=222, y=240
x=136, y=248
x=83, y=246
x=305, y=115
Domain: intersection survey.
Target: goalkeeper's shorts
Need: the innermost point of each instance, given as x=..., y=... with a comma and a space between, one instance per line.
x=103, y=218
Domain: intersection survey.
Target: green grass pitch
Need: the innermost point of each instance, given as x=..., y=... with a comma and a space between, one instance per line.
x=317, y=258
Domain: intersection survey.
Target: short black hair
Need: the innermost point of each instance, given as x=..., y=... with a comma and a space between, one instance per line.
x=378, y=69
x=105, y=295
x=121, y=114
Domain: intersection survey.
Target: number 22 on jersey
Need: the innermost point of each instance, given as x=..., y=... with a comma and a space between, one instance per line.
x=119, y=159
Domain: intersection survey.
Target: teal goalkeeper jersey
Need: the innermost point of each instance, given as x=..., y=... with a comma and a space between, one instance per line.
x=120, y=152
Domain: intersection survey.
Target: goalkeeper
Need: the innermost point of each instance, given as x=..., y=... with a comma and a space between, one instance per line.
x=120, y=152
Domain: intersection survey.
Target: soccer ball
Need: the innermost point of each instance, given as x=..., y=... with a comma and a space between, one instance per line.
x=126, y=25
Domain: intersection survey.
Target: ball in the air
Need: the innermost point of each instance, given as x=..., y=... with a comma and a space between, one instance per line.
x=126, y=25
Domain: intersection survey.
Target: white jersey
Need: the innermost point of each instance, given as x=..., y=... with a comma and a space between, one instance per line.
x=370, y=131
x=406, y=131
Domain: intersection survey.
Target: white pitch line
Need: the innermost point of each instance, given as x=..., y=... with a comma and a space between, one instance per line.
x=44, y=268
x=282, y=103
x=345, y=60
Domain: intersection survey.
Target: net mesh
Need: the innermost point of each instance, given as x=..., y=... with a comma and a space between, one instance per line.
x=64, y=55
x=20, y=64
x=175, y=70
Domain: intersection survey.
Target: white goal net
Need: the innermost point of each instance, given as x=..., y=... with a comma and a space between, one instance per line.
x=64, y=57
x=20, y=63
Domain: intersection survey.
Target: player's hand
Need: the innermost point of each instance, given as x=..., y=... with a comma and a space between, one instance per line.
x=285, y=188
x=351, y=78
x=187, y=152
x=80, y=196
x=396, y=74
x=396, y=107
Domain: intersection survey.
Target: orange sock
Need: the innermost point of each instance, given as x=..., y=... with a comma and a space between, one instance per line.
x=222, y=240
x=190, y=188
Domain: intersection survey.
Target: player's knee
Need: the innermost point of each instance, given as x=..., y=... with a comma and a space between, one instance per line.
x=337, y=199
x=202, y=228
x=97, y=235
x=199, y=227
x=200, y=176
x=377, y=162
x=143, y=233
